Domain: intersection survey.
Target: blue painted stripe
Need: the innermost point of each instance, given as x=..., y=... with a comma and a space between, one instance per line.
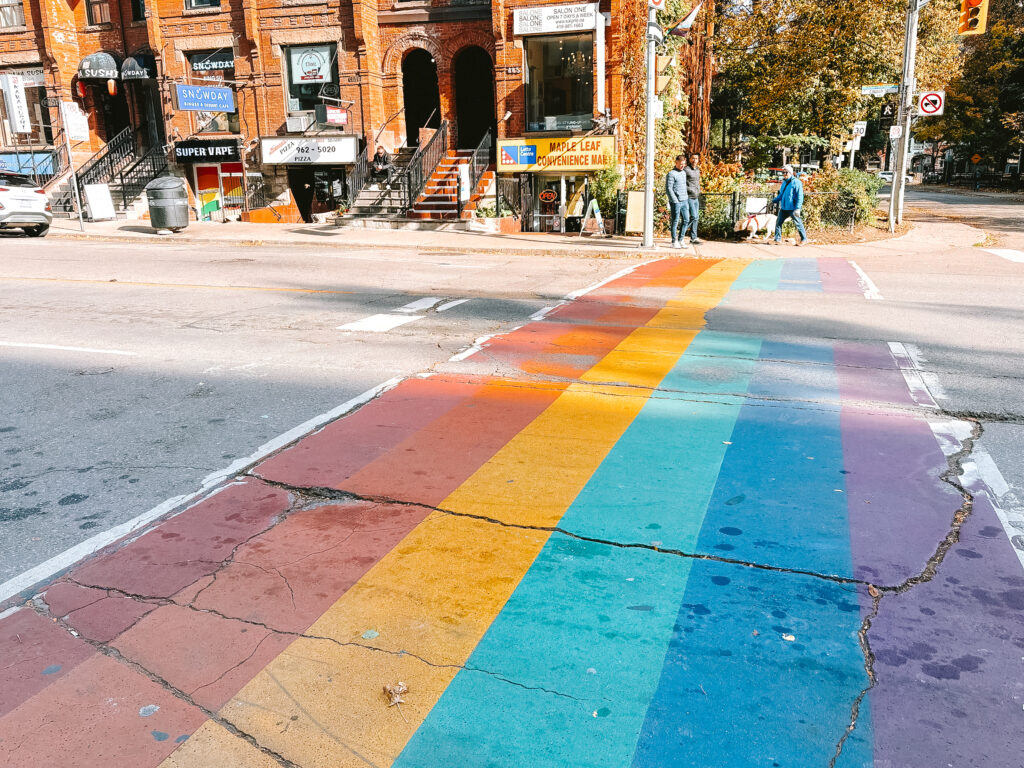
x=734, y=691
x=800, y=275
x=593, y=621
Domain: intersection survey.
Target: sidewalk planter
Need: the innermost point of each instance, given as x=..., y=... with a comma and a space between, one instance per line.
x=506, y=225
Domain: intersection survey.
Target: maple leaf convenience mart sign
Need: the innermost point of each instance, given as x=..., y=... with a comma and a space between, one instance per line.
x=584, y=153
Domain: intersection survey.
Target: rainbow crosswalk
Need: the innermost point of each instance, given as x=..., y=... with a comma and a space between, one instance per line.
x=652, y=548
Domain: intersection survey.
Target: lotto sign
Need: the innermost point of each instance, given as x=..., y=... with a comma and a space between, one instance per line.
x=518, y=154
x=931, y=103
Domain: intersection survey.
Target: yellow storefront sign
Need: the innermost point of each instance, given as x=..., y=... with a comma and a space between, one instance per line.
x=580, y=153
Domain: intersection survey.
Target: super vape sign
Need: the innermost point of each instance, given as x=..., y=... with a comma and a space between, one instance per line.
x=203, y=98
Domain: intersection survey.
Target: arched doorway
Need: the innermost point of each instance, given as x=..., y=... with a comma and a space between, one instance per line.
x=474, y=95
x=420, y=94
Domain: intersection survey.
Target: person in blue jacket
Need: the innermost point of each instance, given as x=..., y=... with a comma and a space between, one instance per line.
x=790, y=200
x=675, y=188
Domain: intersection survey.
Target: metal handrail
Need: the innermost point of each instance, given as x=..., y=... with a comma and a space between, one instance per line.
x=480, y=161
x=386, y=122
x=134, y=179
x=101, y=167
x=357, y=177
x=423, y=164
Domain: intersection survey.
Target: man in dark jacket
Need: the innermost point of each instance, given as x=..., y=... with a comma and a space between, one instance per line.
x=790, y=200
x=693, y=199
x=380, y=166
x=675, y=188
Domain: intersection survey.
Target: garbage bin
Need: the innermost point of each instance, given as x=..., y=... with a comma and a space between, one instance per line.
x=168, y=203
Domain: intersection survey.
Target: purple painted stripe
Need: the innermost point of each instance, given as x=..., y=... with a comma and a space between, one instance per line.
x=868, y=373
x=948, y=657
x=897, y=507
x=838, y=276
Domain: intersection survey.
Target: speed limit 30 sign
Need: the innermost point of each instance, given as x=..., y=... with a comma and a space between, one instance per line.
x=931, y=103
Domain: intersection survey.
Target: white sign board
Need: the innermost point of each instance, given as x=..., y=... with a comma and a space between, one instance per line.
x=98, y=202
x=658, y=5
x=895, y=131
x=17, y=107
x=931, y=103
x=658, y=106
x=878, y=90
x=311, y=64
x=860, y=128
x=33, y=76
x=545, y=19
x=295, y=150
x=76, y=122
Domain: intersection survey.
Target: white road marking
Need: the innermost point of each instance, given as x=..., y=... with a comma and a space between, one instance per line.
x=88, y=350
x=982, y=477
x=424, y=304
x=477, y=345
x=451, y=304
x=1007, y=253
x=917, y=381
x=210, y=485
x=866, y=284
x=379, y=323
x=9, y=612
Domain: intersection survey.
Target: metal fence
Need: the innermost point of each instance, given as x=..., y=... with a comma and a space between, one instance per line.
x=822, y=211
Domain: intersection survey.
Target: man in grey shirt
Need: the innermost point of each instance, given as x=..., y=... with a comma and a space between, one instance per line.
x=692, y=199
x=675, y=188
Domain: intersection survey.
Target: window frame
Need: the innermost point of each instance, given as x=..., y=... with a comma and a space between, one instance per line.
x=19, y=12
x=90, y=12
x=286, y=55
x=541, y=79
x=201, y=5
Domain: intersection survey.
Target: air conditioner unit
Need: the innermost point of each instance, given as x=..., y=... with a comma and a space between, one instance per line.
x=299, y=123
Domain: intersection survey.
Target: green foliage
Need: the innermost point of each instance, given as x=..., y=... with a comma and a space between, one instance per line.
x=857, y=192
x=604, y=187
x=762, y=149
x=488, y=211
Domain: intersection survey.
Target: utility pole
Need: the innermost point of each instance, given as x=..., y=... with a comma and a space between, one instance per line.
x=906, y=113
x=652, y=25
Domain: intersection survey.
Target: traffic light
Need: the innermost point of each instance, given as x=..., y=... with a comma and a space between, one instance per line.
x=973, y=17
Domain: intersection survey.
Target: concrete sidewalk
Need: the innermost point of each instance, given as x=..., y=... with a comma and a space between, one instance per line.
x=329, y=236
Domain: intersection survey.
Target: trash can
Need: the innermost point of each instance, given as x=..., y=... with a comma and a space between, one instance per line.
x=168, y=203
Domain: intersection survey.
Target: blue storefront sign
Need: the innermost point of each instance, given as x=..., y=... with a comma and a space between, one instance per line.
x=204, y=98
x=27, y=162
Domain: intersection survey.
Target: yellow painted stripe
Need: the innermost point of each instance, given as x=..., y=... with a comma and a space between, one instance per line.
x=320, y=703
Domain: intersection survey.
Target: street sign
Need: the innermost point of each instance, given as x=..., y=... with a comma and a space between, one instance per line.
x=888, y=111
x=895, y=131
x=658, y=5
x=878, y=90
x=931, y=103
x=655, y=33
x=976, y=159
x=860, y=128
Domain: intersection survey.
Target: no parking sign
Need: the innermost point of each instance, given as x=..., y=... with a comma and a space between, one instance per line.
x=931, y=103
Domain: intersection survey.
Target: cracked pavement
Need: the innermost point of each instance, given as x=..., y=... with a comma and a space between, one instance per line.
x=616, y=535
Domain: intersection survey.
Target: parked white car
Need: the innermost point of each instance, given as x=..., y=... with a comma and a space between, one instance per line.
x=887, y=177
x=23, y=205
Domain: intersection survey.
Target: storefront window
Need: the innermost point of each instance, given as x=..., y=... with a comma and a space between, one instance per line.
x=560, y=82
x=35, y=96
x=312, y=76
x=216, y=68
x=12, y=14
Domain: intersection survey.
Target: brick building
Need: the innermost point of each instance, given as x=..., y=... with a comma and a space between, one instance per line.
x=227, y=90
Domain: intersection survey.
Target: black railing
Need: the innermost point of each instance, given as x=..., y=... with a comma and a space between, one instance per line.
x=134, y=179
x=423, y=163
x=357, y=177
x=479, y=161
x=113, y=158
x=509, y=194
x=45, y=172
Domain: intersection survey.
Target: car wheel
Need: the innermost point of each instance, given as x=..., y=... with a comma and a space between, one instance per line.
x=39, y=231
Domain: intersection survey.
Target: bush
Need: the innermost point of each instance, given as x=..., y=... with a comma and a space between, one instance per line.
x=488, y=211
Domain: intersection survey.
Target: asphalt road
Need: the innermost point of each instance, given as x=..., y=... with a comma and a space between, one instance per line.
x=131, y=375
x=1001, y=216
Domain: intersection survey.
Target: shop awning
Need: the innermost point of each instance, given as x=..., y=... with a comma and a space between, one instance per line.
x=139, y=66
x=100, y=66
